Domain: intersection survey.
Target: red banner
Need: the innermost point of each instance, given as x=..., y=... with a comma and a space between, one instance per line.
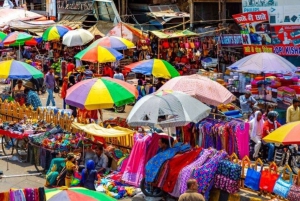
x=244, y=18
x=253, y=49
x=286, y=35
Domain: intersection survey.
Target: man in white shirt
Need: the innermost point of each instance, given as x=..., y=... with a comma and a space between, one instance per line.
x=247, y=102
x=101, y=160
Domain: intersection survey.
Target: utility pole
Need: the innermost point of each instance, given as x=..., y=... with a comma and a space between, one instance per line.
x=191, y=6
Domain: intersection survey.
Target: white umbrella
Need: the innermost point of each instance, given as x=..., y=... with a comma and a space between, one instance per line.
x=77, y=37
x=167, y=109
x=263, y=63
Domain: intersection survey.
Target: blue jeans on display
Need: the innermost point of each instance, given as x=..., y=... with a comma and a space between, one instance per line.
x=50, y=97
x=271, y=151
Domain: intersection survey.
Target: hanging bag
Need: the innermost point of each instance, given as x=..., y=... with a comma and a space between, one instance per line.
x=166, y=44
x=253, y=176
x=294, y=194
x=268, y=178
x=283, y=187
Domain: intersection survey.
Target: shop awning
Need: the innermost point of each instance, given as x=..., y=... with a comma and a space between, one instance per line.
x=102, y=26
x=96, y=130
x=8, y=15
x=176, y=34
x=72, y=21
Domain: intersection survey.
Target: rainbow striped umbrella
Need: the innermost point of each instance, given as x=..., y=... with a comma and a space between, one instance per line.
x=95, y=53
x=155, y=67
x=55, y=32
x=98, y=93
x=18, y=70
x=286, y=134
x=114, y=42
x=16, y=38
x=76, y=194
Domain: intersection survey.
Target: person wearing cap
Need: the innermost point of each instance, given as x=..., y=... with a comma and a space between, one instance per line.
x=293, y=112
x=50, y=84
x=33, y=98
x=247, y=102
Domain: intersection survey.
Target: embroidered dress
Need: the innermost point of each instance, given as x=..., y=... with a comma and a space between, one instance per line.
x=135, y=171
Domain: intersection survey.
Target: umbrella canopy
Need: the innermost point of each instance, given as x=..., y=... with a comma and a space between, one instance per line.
x=95, y=53
x=167, y=109
x=18, y=70
x=77, y=37
x=55, y=32
x=263, y=63
x=16, y=38
x=201, y=88
x=114, y=42
x=2, y=36
x=155, y=67
x=34, y=41
x=75, y=194
x=286, y=134
x=98, y=93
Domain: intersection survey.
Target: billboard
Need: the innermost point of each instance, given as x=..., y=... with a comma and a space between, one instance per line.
x=231, y=40
x=281, y=12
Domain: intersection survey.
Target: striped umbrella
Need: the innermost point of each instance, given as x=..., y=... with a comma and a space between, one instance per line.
x=155, y=67
x=18, y=70
x=114, y=42
x=200, y=87
x=75, y=194
x=55, y=32
x=98, y=93
x=2, y=36
x=16, y=38
x=167, y=109
x=77, y=37
x=95, y=53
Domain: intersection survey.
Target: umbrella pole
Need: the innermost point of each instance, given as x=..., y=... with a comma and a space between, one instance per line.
x=98, y=68
x=169, y=133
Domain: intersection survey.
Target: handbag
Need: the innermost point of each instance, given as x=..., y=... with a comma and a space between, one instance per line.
x=56, y=89
x=253, y=176
x=282, y=187
x=268, y=178
x=294, y=194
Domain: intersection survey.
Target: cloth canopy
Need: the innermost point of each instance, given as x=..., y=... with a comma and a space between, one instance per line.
x=96, y=130
x=177, y=34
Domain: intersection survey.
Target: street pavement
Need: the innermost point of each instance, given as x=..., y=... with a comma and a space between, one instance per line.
x=12, y=167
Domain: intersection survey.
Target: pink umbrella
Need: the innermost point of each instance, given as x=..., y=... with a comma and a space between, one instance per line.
x=201, y=88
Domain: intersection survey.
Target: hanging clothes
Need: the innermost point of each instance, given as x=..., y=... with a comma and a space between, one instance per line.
x=176, y=164
x=153, y=145
x=134, y=172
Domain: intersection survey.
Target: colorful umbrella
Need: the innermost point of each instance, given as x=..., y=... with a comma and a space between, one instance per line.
x=201, y=88
x=55, y=32
x=18, y=70
x=76, y=194
x=286, y=134
x=167, y=109
x=95, y=53
x=16, y=38
x=77, y=37
x=114, y=42
x=155, y=67
x=2, y=36
x=263, y=63
x=98, y=93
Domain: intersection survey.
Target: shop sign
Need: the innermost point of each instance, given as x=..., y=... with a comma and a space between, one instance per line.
x=230, y=40
x=253, y=49
x=287, y=50
x=281, y=12
x=251, y=17
x=286, y=35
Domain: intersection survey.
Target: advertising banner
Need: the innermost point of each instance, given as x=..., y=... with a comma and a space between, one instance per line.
x=252, y=49
x=281, y=12
x=286, y=35
x=286, y=50
x=231, y=40
x=255, y=27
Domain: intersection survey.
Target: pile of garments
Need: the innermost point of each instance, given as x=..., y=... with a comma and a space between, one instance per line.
x=23, y=127
x=56, y=139
x=26, y=194
x=114, y=188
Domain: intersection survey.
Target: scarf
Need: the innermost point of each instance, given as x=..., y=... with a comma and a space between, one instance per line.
x=257, y=126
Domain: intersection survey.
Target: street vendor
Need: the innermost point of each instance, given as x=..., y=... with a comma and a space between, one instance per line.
x=247, y=102
x=33, y=98
x=100, y=159
x=18, y=88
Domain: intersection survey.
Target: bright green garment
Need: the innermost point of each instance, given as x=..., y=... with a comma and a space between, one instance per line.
x=53, y=171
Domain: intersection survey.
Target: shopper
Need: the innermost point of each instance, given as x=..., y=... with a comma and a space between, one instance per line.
x=118, y=75
x=293, y=112
x=70, y=66
x=70, y=168
x=256, y=131
x=89, y=176
x=192, y=193
x=50, y=84
x=247, y=102
x=270, y=125
x=33, y=98
x=63, y=93
x=100, y=159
